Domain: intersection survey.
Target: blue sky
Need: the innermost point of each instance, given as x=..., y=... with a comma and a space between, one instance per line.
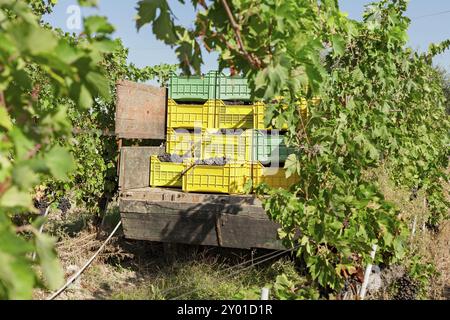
x=146, y=50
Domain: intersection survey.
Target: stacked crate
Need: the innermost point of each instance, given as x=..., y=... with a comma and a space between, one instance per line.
x=200, y=110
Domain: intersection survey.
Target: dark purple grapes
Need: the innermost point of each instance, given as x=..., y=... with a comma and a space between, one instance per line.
x=41, y=204
x=167, y=157
x=236, y=102
x=229, y=132
x=64, y=205
x=219, y=161
x=407, y=288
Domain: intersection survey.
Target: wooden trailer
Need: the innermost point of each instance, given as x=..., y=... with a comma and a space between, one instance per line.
x=170, y=215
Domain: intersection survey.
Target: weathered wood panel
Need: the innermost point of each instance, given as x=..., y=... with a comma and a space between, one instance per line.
x=174, y=199
x=236, y=231
x=141, y=111
x=209, y=208
x=201, y=219
x=134, y=166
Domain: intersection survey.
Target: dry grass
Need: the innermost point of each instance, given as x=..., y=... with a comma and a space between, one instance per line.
x=438, y=249
x=129, y=269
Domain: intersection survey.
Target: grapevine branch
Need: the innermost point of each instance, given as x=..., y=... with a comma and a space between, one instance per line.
x=222, y=37
x=2, y=100
x=203, y=4
x=254, y=61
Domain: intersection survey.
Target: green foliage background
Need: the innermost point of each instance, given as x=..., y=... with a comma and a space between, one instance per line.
x=381, y=103
x=94, y=181
x=56, y=129
x=28, y=154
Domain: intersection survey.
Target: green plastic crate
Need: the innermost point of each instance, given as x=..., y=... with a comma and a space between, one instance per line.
x=193, y=88
x=232, y=88
x=211, y=86
x=267, y=147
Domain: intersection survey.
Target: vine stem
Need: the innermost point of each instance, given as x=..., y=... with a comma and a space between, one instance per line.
x=304, y=130
x=253, y=60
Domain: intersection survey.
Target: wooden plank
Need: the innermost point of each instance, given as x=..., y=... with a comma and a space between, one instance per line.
x=201, y=223
x=190, y=209
x=141, y=111
x=166, y=194
x=169, y=228
x=134, y=170
x=236, y=231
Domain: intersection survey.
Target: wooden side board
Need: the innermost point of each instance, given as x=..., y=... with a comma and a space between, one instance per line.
x=141, y=111
x=134, y=166
x=201, y=219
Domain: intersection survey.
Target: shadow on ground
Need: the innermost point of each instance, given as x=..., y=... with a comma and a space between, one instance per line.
x=131, y=269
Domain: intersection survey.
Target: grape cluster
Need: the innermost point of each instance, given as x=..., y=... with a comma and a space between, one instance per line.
x=64, y=205
x=433, y=227
x=41, y=204
x=407, y=288
x=167, y=157
x=229, y=132
x=349, y=285
x=220, y=161
x=235, y=102
x=413, y=195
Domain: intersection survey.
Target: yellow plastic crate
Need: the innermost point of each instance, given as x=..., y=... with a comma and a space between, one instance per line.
x=213, y=114
x=190, y=116
x=273, y=177
x=235, y=146
x=229, y=178
x=184, y=143
x=234, y=116
x=260, y=109
x=165, y=174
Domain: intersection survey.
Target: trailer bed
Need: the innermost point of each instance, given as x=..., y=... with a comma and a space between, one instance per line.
x=173, y=216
